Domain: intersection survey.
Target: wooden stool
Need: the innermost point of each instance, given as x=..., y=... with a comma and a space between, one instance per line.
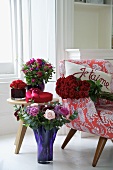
x=22, y=129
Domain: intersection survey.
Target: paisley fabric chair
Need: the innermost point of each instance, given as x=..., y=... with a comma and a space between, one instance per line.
x=95, y=118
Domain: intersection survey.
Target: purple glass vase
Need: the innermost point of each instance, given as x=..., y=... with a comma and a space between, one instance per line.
x=45, y=140
x=40, y=86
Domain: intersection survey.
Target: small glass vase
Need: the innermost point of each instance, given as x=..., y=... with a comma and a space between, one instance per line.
x=45, y=140
x=40, y=86
x=18, y=94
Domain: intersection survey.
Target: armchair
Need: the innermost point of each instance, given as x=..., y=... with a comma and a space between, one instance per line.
x=95, y=118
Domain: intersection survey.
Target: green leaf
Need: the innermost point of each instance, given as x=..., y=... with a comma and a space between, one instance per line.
x=26, y=118
x=29, y=121
x=74, y=115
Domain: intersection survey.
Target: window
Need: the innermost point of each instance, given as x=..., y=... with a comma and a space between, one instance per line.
x=6, y=38
x=27, y=30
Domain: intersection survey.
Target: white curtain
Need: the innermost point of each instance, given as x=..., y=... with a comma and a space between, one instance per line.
x=45, y=30
x=64, y=36
x=36, y=30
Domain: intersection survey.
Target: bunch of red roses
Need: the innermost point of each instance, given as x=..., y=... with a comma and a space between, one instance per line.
x=72, y=87
x=18, y=84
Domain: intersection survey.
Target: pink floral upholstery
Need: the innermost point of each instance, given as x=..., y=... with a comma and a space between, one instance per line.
x=96, y=118
x=97, y=64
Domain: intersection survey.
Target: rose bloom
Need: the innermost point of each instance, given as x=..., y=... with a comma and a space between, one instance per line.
x=72, y=94
x=70, y=77
x=82, y=94
x=64, y=111
x=25, y=71
x=32, y=110
x=86, y=93
x=49, y=114
x=31, y=69
x=60, y=81
x=28, y=63
x=33, y=80
x=13, y=85
x=49, y=66
x=39, y=73
x=85, y=83
x=32, y=61
x=77, y=95
x=45, y=68
x=56, y=109
x=84, y=88
x=39, y=61
x=80, y=83
x=21, y=86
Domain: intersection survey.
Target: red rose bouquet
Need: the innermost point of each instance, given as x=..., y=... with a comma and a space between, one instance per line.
x=75, y=88
x=18, y=84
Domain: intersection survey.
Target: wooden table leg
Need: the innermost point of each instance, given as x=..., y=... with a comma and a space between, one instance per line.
x=20, y=135
x=17, y=136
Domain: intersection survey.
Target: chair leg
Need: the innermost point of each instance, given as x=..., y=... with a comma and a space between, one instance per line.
x=68, y=137
x=101, y=143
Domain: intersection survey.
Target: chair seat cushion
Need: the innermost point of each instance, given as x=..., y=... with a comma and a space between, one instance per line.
x=97, y=120
x=105, y=113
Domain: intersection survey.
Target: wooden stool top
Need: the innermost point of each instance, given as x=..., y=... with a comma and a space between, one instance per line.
x=20, y=102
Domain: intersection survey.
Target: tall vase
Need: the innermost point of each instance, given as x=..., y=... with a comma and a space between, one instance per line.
x=40, y=86
x=45, y=140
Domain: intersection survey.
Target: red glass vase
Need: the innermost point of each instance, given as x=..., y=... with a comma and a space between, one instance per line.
x=18, y=94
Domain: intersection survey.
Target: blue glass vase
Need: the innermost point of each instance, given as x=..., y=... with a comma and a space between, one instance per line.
x=45, y=140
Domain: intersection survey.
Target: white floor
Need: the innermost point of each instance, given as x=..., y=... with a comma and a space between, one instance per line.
x=77, y=155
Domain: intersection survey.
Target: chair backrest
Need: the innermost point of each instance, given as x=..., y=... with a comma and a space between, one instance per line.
x=102, y=70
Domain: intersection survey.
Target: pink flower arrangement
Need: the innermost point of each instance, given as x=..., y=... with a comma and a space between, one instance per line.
x=37, y=70
x=48, y=116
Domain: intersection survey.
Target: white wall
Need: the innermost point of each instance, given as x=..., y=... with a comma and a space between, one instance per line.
x=8, y=123
x=92, y=30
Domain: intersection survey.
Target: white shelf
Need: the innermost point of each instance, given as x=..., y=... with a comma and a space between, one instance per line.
x=89, y=54
x=84, y=4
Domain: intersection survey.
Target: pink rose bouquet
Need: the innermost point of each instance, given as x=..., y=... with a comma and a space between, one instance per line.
x=48, y=116
x=37, y=70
